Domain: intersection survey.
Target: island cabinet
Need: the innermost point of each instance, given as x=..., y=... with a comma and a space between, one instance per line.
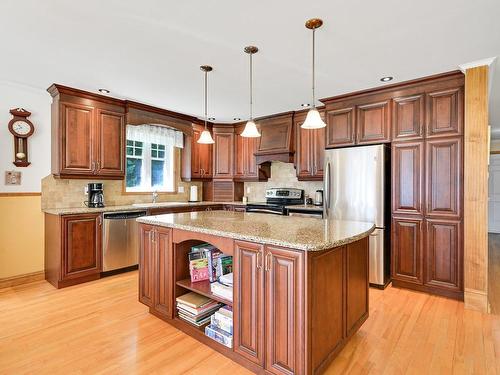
x=73, y=251
x=310, y=150
x=293, y=309
x=88, y=135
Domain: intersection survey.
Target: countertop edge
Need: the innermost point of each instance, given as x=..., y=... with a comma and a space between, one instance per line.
x=238, y=236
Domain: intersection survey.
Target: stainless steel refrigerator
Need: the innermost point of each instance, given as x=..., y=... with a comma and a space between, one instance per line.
x=357, y=187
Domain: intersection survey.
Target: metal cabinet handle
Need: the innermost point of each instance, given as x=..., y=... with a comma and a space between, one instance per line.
x=269, y=258
x=98, y=166
x=259, y=260
x=99, y=220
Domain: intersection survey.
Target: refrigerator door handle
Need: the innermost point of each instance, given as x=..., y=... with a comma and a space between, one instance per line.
x=327, y=189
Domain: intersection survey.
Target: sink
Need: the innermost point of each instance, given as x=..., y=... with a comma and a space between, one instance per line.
x=160, y=204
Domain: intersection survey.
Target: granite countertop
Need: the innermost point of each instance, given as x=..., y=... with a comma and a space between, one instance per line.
x=307, y=207
x=308, y=234
x=136, y=207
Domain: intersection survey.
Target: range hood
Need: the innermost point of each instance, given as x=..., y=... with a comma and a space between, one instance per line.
x=277, y=139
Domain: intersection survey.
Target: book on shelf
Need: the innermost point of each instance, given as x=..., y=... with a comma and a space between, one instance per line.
x=193, y=300
x=226, y=310
x=219, y=335
x=222, y=290
x=199, y=258
x=197, y=322
x=222, y=321
x=226, y=279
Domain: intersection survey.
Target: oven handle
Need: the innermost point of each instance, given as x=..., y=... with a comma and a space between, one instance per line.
x=262, y=210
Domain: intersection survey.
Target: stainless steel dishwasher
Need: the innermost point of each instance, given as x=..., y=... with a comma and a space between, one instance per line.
x=120, y=248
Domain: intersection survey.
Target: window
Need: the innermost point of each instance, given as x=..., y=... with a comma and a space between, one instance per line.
x=150, y=158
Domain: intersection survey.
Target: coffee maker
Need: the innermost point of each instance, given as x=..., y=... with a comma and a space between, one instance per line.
x=96, y=196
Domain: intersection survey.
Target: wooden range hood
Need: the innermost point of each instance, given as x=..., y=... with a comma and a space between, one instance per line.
x=277, y=139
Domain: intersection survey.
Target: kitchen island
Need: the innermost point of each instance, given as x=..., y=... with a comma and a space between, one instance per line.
x=300, y=284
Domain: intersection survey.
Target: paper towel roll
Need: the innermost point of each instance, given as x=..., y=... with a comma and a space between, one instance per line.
x=193, y=193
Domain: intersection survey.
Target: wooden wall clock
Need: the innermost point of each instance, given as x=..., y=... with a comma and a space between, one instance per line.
x=21, y=128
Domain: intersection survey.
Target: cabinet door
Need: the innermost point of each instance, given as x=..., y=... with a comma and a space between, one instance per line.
x=284, y=311
x=340, y=127
x=240, y=155
x=111, y=139
x=443, y=254
x=146, y=265
x=206, y=160
x=82, y=245
x=163, y=272
x=444, y=181
x=373, y=123
x=303, y=152
x=407, y=177
x=223, y=155
x=249, y=301
x=445, y=113
x=407, y=242
x=195, y=153
x=318, y=152
x=408, y=117
x=252, y=170
x=77, y=134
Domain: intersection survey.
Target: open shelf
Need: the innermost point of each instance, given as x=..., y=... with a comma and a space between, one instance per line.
x=203, y=288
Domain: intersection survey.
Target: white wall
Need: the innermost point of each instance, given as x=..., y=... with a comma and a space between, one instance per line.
x=37, y=102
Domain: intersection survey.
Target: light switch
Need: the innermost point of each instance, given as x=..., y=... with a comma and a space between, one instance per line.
x=13, y=178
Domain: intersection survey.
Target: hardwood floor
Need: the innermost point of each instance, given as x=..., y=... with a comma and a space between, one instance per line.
x=100, y=328
x=494, y=272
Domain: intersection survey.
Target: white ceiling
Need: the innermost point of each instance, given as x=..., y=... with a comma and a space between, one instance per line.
x=151, y=50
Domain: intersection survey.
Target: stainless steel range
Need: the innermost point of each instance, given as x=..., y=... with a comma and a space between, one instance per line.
x=276, y=201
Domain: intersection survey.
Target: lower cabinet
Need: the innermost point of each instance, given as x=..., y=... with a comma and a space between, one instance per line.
x=427, y=254
x=73, y=249
x=268, y=318
x=156, y=270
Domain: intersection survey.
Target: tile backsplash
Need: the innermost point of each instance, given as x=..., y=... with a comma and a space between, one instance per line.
x=282, y=175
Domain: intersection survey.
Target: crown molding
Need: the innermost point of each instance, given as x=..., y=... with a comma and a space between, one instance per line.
x=490, y=62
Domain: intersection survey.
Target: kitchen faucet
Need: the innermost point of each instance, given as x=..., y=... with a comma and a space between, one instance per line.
x=155, y=196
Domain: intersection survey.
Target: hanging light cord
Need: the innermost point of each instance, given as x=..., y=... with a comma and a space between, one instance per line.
x=206, y=79
x=313, y=71
x=251, y=88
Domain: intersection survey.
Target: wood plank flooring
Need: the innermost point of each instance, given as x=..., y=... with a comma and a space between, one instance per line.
x=494, y=272
x=100, y=328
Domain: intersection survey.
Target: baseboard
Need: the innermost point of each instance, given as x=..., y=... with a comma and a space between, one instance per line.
x=8, y=282
x=476, y=300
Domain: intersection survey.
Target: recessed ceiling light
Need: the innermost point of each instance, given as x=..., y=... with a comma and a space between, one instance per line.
x=104, y=91
x=305, y=105
x=386, y=79
x=211, y=118
x=236, y=119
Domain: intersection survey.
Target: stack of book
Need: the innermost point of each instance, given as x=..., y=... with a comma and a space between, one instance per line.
x=195, y=308
x=223, y=287
x=221, y=326
x=198, y=262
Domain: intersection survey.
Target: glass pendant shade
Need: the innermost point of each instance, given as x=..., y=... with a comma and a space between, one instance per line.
x=250, y=130
x=206, y=137
x=313, y=120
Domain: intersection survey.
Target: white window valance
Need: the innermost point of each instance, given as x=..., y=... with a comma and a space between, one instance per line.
x=156, y=134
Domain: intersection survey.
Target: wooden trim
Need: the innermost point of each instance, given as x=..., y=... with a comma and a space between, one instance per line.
x=494, y=152
x=476, y=156
x=384, y=88
x=476, y=300
x=20, y=194
x=8, y=282
x=56, y=89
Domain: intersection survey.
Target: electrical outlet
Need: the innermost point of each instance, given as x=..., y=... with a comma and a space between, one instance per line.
x=13, y=178
x=180, y=189
x=86, y=190
x=248, y=189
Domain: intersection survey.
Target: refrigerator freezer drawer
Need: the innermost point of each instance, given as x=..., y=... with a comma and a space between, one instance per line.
x=376, y=249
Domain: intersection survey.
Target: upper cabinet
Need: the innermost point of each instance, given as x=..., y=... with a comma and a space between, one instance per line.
x=88, y=135
x=373, y=122
x=445, y=112
x=223, y=152
x=310, y=150
x=201, y=156
x=340, y=129
x=408, y=116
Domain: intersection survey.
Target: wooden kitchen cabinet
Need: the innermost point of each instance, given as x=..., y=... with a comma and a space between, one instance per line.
x=223, y=152
x=373, y=122
x=249, y=301
x=277, y=139
x=156, y=270
x=445, y=112
x=408, y=117
x=407, y=178
x=245, y=164
x=88, y=135
x=407, y=249
x=73, y=248
x=340, y=127
x=310, y=150
x=444, y=177
x=201, y=156
x=444, y=254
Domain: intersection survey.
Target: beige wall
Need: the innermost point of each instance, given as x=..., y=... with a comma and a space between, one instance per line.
x=495, y=145
x=21, y=234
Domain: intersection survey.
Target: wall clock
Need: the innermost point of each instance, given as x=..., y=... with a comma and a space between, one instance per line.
x=21, y=128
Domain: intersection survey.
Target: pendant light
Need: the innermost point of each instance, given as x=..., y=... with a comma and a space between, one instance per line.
x=313, y=118
x=251, y=130
x=205, y=136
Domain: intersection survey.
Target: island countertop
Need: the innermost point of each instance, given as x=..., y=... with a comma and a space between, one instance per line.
x=302, y=233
